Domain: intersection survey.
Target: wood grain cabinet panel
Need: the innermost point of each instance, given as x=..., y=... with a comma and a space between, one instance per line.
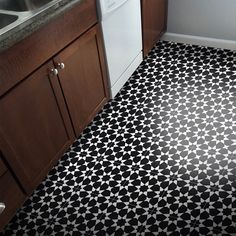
x=11, y=195
x=154, y=20
x=83, y=78
x=35, y=130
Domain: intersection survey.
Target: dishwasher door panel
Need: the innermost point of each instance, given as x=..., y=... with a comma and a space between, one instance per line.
x=122, y=38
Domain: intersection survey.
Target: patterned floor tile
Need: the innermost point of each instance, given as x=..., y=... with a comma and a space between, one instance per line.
x=106, y=179
x=46, y=201
x=159, y=159
x=158, y=224
x=83, y=214
x=72, y=169
x=143, y=189
x=219, y=213
x=25, y=224
x=123, y=219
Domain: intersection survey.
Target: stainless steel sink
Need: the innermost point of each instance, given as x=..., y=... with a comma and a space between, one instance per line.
x=15, y=12
x=6, y=20
x=22, y=5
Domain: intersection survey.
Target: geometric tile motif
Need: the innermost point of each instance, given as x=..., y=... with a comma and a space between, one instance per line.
x=159, y=159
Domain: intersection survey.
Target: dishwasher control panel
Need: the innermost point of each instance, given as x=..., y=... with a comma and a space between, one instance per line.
x=108, y=6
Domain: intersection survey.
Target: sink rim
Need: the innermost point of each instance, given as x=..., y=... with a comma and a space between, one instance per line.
x=24, y=16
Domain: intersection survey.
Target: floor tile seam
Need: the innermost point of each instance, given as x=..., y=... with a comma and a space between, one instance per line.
x=199, y=224
x=141, y=229
x=199, y=184
x=233, y=83
x=33, y=214
x=112, y=198
x=55, y=184
x=153, y=208
x=195, y=82
x=52, y=221
x=155, y=172
x=147, y=211
x=204, y=97
x=224, y=171
x=220, y=169
x=99, y=218
x=115, y=198
x=169, y=215
x=118, y=163
x=196, y=224
x=229, y=158
x=36, y=215
x=176, y=218
x=135, y=168
x=77, y=188
x=155, y=139
x=171, y=71
x=115, y=162
x=72, y=228
x=100, y=156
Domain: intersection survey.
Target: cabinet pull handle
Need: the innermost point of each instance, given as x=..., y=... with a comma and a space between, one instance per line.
x=54, y=71
x=2, y=207
x=61, y=66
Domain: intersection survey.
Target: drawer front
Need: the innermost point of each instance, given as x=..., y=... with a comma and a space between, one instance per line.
x=3, y=168
x=26, y=56
x=11, y=196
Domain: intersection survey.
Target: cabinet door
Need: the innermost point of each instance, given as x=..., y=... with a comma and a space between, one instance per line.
x=154, y=17
x=34, y=131
x=83, y=78
x=11, y=195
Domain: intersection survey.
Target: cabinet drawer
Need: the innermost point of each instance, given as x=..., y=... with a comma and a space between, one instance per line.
x=11, y=195
x=3, y=168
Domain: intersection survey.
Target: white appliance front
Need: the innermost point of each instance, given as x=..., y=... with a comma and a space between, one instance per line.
x=122, y=34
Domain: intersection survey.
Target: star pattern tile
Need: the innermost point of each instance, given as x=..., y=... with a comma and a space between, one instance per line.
x=159, y=159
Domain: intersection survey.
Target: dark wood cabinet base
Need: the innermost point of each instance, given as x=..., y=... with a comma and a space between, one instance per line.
x=154, y=22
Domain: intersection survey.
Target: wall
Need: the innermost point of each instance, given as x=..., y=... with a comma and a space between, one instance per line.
x=205, y=18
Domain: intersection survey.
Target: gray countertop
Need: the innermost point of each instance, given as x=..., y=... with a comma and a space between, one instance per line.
x=33, y=23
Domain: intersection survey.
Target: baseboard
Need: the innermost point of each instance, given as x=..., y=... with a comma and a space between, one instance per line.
x=197, y=40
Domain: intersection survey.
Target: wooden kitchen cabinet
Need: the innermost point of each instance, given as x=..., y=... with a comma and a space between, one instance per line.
x=83, y=78
x=50, y=90
x=154, y=22
x=35, y=131
x=11, y=195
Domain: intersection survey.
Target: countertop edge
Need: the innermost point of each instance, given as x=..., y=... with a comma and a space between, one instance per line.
x=34, y=23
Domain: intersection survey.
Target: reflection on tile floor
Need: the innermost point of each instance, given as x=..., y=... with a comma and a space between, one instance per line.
x=160, y=159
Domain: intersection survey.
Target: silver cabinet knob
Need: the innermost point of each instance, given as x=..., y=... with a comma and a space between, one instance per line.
x=61, y=65
x=54, y=71
x=2, y=207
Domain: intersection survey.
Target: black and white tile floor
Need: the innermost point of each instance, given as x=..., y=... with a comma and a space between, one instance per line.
x=160, y=159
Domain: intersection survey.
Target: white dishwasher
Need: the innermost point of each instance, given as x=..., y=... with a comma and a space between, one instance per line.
x=122, y=35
